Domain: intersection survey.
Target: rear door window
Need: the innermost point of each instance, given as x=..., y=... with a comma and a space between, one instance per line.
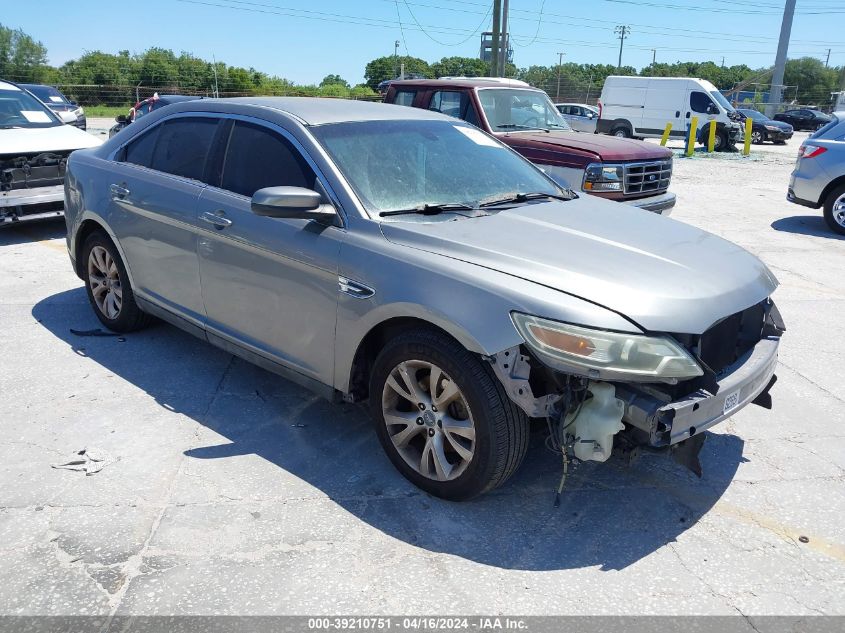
x=183, y=146
x=257, y=157
x=404, y=97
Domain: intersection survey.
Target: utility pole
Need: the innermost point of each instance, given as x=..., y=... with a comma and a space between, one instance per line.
x=622, y=31
x=559, y=64
x=723, y=61
x=216, y=90
x=776, y=93
x=653, y=56
x=497, y=27
x=505, y=41
x=827, y=61
x=396, y=58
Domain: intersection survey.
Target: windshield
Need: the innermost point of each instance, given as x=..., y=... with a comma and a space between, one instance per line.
x=514, y=109
x=48, y=94
x=20, y=109
x=396, y=165
x=720, y=99
x=753, y=114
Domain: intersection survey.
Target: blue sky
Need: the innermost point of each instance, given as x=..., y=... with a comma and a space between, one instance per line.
x=304, y=40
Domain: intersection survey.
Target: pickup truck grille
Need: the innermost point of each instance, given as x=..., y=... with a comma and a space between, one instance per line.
x=647, y=178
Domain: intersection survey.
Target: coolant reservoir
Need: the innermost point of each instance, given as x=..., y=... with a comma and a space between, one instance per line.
x=598, y=421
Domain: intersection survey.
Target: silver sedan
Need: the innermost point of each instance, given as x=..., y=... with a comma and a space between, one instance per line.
x=408, y=260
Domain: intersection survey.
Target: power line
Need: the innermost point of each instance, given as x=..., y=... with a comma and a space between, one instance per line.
x=539, y=23
x=426, y=33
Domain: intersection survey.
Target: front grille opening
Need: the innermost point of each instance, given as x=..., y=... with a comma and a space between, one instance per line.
x=730, y=338
x=645, y=178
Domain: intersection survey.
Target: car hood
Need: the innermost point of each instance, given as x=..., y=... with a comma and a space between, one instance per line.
x=608, y=148
x=778, y=124
x=45, y=139
x=664, y=275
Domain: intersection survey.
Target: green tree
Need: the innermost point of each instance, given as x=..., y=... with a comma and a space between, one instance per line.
x=814, y=82
x=383, y=68
x=22, y=58
x=460, y=67
x=334, y=80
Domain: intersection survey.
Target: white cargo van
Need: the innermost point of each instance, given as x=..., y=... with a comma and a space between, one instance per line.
x=641, y=107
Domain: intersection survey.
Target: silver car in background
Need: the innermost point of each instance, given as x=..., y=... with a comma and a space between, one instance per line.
x=818, y=179
x=580, y=116
x=359, y=249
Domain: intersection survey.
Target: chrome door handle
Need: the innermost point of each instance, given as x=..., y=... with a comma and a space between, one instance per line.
x=219, y=221
x=119, y=191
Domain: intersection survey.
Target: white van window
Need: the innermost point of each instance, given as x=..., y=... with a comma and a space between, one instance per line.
x=699, y=101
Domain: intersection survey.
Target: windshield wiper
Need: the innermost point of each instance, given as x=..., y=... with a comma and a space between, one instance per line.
x=524, y=197
x=430, y=209
x=515, y=126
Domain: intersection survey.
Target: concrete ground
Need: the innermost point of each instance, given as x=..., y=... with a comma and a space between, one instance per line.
x=232, y=491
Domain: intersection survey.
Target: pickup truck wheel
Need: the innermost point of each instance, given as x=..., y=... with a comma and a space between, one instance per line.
x=443, y=418
x=108, y=286
x=834, y=210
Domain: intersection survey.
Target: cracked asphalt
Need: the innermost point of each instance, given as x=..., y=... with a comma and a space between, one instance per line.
x=233, y=491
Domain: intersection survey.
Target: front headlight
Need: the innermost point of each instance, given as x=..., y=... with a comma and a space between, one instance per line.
x=613, y=354
x=79, y=112
x=600, y=177
x=772, y=128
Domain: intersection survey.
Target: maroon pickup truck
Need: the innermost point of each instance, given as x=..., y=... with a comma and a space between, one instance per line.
x=524, y=118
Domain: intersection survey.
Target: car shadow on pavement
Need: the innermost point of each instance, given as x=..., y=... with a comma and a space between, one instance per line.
x=36, y=231
x=814, y=225
x=611, y=515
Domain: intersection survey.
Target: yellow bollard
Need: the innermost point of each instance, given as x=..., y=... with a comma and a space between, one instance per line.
x=665, y=136
x=711, y=140
x=693, y=132
x=748, y=125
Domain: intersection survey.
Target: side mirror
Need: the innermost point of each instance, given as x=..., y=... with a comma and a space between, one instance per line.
x=591, y=115
x=121, y=118
x=712, y=109
x=67, y=117
x=291, y=202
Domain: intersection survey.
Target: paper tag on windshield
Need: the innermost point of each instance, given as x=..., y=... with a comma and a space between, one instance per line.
x=56, y=99
x=477, y=136
x=36, y=116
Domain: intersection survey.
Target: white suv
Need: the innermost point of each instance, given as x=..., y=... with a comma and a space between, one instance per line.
x=34, y=146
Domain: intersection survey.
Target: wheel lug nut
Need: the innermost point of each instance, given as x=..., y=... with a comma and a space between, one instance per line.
x=419, y=420
x=431, y=432
x=422, y=406
x=433, y=408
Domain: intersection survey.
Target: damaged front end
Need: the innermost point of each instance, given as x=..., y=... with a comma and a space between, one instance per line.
x=32, y=186
x=676, y=387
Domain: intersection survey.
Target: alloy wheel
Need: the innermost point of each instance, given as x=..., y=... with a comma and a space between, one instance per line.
x=756, y=137
x=838, y=210
x=428, y=420
x=104, y=279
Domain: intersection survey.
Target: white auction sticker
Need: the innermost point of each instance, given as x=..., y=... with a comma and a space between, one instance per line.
x=731, y=400
x=479, y=137
x=55, y=99
x=36, y=116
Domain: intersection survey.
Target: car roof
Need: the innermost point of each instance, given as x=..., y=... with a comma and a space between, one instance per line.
x=317, y=110
x=5, y=85
x=467, y=82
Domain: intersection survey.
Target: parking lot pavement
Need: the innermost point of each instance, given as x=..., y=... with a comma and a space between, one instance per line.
x=233, y=491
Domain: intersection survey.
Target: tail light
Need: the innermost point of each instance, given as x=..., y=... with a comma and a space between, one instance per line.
x=810, y=151
x=601, y=107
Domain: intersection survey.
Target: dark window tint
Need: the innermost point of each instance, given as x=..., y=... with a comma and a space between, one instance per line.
x=258, y=158
x=183, y=146
x=140, y=151
x=404, y=97
x=699, y=101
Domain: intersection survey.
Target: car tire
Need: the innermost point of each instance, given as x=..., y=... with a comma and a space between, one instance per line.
x=472, y=446
x=758, y=137
x=834, y=210
x=108, y=287
x=621, y=131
